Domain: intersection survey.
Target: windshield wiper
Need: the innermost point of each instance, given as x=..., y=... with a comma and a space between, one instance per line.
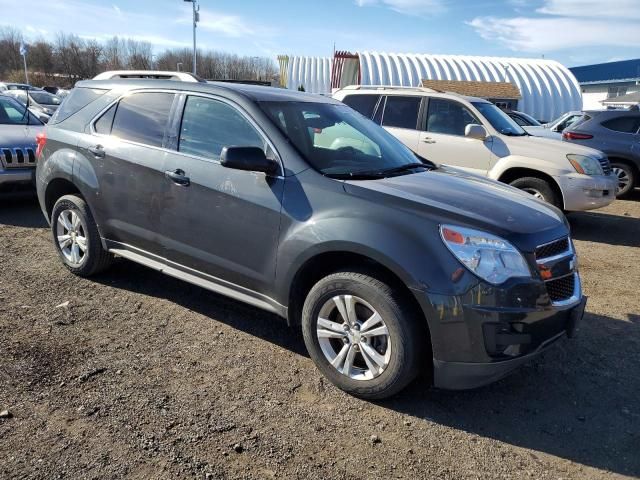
x=403, y=168
x=355, y=176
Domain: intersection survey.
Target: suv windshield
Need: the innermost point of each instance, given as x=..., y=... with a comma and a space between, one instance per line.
x=341, y=143
x=499, y=120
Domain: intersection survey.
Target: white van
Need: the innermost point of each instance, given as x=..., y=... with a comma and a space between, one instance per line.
x=474, y=135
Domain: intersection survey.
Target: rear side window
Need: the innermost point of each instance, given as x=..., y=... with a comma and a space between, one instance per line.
x=104, y=123
x=209, y=125
x=77, y=99
x=143, y=117
x=364, y=104
x=623, y=124
x=401, y=112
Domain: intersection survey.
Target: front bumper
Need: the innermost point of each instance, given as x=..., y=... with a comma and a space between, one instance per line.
x=25, y=176
x=584, y=192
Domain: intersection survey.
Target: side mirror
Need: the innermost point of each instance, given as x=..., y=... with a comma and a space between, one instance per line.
x=252, y=159
x=473, y=130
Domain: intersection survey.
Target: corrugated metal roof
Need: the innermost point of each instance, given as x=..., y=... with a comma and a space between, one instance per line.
x=625, y=70
x=503, y=90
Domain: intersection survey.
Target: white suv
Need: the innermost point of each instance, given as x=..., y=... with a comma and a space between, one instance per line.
x=474, y=135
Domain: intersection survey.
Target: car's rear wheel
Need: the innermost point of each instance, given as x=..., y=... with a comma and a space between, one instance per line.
x=76, y=237
x=360, y=335
x=539, y=188
x=626, y=178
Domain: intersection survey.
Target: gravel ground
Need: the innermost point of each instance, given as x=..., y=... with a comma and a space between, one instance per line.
x=134, y=374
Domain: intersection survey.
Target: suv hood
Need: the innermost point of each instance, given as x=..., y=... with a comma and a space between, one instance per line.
x=19, y=136
x=539, y=147
x=452, y=196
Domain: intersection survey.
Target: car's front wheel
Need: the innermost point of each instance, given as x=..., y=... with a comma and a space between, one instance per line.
x=539, y=188
x=76, y=237
x=361, y=336
x=626, y=178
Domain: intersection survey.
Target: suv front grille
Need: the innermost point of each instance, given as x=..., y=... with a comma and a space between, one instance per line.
x=561, y=288
x=552, y=249
x=17, y=157
x=605, y=164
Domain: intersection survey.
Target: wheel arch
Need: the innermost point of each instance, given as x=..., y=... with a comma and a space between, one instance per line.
x=627, y=161
x=514, y=173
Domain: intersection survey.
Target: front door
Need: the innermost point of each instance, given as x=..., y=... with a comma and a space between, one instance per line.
x=443, y=141
x=219, y=221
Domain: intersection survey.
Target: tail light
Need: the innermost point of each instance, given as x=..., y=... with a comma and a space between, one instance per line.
x=576, y=136
x=41, y=141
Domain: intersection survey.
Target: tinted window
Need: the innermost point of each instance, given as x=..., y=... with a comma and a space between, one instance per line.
x=209, y=125
x=44, y=98
x=12, y=112
x=77, y=99
x=519, y=120
x=450, y=117
x=623, y=124
x=103, y=125
x=401, y=112
x=142, y=117
x=365, y=104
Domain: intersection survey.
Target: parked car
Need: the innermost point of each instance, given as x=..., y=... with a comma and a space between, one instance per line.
x=554, y=129
x=4, y=86
x=386, y=261
x=617, y=134
x=36, y=109
x=475, y=135
x=57, y=91
x=18, y=131
x=523, y=119
x=39, y=99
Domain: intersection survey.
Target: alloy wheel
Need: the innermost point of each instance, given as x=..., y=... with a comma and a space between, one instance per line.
x=536, y=193
x=353, y=337
x=623, y=178
x=71, y=236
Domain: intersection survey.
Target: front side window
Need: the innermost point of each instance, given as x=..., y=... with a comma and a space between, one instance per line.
x=364, y=104
x=449, y=117
x=623, y=124
x=142, y=117
x=339, y=142
x=210, y=125
x=498, y=119
x=401, y=112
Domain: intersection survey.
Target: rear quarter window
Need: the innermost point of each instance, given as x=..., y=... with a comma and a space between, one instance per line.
x=623, y=124
x=77, y=99
x=363, y=104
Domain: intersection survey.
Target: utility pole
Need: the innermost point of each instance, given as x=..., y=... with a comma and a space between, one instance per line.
x=23, y=52
x=196, y=19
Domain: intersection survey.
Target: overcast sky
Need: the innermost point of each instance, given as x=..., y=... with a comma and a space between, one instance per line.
x=575, y=32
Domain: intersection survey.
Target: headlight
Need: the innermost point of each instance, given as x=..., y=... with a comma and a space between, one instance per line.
x=585, y=165
x=489, y=257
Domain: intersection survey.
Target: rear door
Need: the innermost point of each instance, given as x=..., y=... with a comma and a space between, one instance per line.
x=443, y=141
x=221, y=222
x=126, y=150
x=399, y=115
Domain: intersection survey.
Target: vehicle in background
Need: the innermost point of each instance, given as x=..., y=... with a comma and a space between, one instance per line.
x=531, y=125
x=617, y=134
x=389, y=264
x=57, y=91
x=4, y=86
x=475, y=135
x=34, y=108
x=38, y=99
x=19, y=129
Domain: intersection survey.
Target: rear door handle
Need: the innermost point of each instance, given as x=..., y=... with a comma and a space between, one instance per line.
x=428, y=140
x=97, y=151
x=178, y=177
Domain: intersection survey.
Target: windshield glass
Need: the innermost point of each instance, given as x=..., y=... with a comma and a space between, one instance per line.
x=45, y=98
x=530, y=119
x=12, y=112
x=499, y=120
x=339, y=142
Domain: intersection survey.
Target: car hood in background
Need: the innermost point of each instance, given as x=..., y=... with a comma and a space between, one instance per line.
x=547, y=148
x=458, y=197
x=19, y=136
x=539, y=131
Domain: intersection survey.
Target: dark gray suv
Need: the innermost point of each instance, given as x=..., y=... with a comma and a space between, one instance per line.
x=616, y=133
x=298, y=205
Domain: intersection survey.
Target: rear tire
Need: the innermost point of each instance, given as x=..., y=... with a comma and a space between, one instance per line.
x=626, y=178
x=383, y=361
x=76, y=237
x=539, y=188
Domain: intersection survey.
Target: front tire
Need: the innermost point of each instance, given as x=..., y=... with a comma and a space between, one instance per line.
x=539, y=188
x=626, y=178
x=361, y=336
x=76, y=237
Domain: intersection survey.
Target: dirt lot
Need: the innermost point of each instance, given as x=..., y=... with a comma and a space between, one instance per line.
x=143, y=376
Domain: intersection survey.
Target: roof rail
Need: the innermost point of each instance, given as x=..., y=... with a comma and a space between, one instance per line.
x=149, y=74
x=387, y=87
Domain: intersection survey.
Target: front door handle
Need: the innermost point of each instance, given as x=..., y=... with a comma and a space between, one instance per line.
x=97, y=151
x=178, y=177
x=428, y=140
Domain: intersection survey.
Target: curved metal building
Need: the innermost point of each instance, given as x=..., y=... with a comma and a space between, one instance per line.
x=547, y=88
